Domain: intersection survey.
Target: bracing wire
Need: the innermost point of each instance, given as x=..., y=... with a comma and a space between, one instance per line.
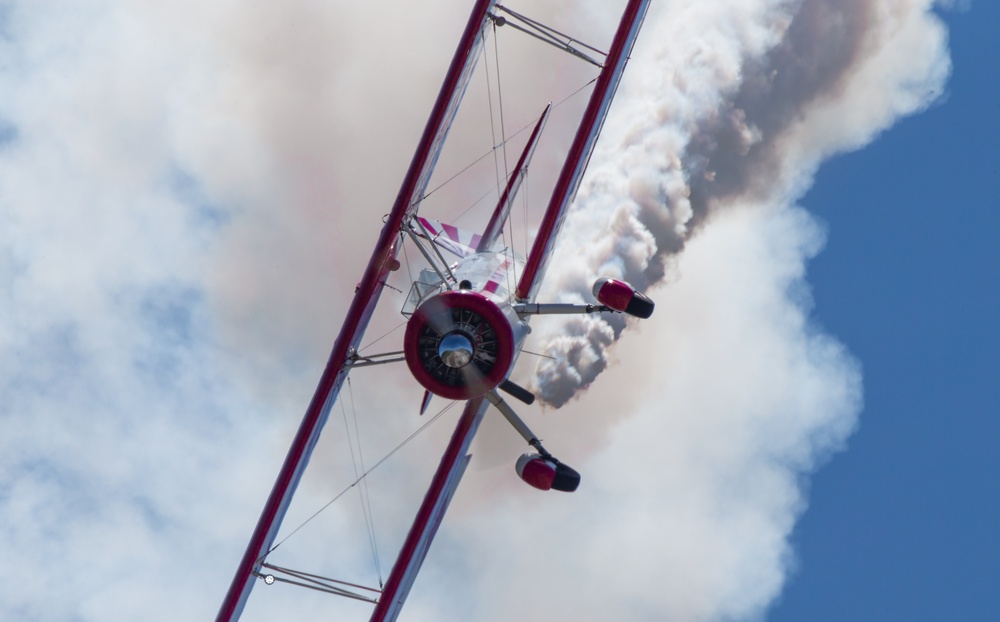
x=508, y=252
x=544, y=356
x=365, y=474
x=524, y=204
x=402, y=242
x=476, y=202
x=493, y=125
x=520, y=131
x=512, y=273
x=354, y=462
x=503, y=129
x=366, y=500
x=383, y=336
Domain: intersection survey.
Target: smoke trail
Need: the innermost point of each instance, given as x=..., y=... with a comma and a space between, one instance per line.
x=732, y=393
x=727, y=104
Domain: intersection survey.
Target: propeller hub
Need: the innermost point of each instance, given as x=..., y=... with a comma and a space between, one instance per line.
x=455, y=350
x=459, y=344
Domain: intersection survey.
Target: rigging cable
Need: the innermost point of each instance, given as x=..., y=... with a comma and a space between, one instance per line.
x=366, y=500
x=512, y=273
x=409, y=438
x=402, y=243
x=544, y=356
x=503, y=129
x=524, y=204
x=354, y=463
x=493, y=128
x=520, y=131
x=391, y=331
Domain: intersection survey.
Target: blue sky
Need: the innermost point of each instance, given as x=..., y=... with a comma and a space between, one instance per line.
x=903, y=525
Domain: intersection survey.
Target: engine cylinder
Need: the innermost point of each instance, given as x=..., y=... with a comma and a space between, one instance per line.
x=459, y=345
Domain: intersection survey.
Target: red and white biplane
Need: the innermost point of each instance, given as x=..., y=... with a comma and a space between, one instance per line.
x=466, y=323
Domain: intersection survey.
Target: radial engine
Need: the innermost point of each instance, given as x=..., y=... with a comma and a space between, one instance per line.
x=463, y=335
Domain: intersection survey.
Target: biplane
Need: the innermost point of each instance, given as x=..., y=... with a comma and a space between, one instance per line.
x=467, y=311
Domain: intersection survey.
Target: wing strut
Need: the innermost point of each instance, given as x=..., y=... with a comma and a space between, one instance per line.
x=502, y=211
x=583, y=146
x=548, y=35
x=358, y=316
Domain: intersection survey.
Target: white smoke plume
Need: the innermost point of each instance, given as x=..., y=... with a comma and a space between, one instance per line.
x=726, y=104
x=188, y=192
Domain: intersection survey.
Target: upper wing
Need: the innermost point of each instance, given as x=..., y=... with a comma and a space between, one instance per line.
x=358, y=316
x=583, y=146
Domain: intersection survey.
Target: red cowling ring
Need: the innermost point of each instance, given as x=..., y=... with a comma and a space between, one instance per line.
x=490, y=313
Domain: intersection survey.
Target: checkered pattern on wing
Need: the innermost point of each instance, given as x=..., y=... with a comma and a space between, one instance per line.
x=451, y=238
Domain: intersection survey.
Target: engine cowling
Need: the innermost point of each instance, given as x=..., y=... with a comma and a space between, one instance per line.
x=459, y=345
x=546, y=473
x=621, y=296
